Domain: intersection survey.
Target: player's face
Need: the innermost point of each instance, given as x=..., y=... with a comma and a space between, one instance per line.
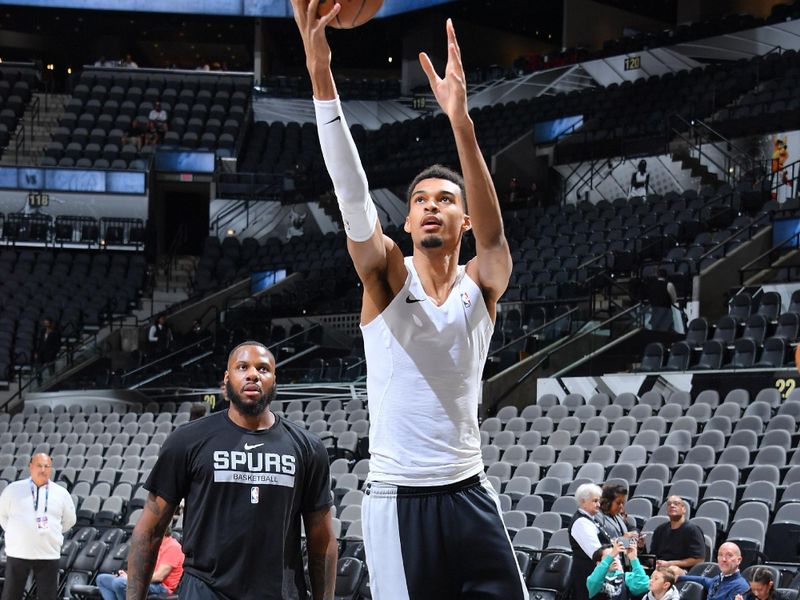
x=41, y=467
x=250, y=380
x=436, y=214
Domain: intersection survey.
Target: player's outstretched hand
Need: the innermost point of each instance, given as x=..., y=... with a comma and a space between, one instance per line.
x=450, y=91
x=312, y=30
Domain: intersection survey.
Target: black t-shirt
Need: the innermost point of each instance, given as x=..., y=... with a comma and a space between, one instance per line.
x=245, y=492
x=686, y=541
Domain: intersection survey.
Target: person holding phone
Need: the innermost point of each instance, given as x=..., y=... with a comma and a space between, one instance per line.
x=608, y=581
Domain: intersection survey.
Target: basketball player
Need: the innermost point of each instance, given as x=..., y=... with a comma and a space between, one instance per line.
x=431, y=521
x=247, y=476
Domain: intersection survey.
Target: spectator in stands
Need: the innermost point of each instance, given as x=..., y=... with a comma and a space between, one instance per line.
x=612, y=512
x=160, y=336
x=247, y=476
x=128, y=62
x=608, y=581
x=762, y=587
x=136, y=134
x=166, y=574
x=729, y=583
x=198, y=410
x=34, y=513
x=158, y=119
x=662, y=585
x=586, y=537
x=196, y=332
x=152, y=137
x=640, y=181
x=661, y=295
x=48, y=343
x=678, y=543
x=297, y=221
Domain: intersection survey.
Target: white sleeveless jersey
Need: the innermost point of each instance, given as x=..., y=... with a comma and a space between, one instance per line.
x=424, y=366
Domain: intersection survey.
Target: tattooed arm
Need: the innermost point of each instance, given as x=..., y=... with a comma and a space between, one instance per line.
x=322, y=553
x=145, y=541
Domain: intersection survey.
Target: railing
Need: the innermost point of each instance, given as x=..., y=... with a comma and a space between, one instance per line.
x=587, y=179
x=252, y=186
x=792, y=243
x=232, y=212
x=635, y=311
x=738, y=161
x=19, y=141
x=35, y=112
x=38, y=374
x=181, y=236
x=127, y=379
x=534, y=334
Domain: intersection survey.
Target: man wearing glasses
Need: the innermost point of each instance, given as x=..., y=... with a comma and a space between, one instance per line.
x=678, y=543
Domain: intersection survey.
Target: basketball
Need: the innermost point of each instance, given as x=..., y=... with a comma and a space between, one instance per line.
x=353, y=12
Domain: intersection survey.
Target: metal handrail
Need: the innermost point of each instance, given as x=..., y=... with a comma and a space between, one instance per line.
x=164, y=358
x=493, y=408
x=534, y=332
x=750, y=267
x=277, y=344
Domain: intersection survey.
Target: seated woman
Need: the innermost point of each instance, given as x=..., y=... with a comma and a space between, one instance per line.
x=762, y=587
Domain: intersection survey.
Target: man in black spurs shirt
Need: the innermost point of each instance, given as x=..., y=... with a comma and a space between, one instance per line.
x=247, y=476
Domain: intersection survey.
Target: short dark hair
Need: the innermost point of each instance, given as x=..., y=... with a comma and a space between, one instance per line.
x=597, y=556
x=762, y=575
x=610, y=493
x=247, y=343
x=439, y=172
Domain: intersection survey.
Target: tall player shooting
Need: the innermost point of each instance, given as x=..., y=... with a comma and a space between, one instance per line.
x=431, y=521
x=247, y=476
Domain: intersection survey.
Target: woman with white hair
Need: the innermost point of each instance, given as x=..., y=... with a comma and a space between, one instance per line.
x=585, y=537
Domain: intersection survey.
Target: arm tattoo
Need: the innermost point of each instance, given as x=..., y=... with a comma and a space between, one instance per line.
x=322, y=554
x=145, y=541
x=322, y=572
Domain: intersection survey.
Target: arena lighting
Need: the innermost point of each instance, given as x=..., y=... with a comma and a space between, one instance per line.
x=231, y=232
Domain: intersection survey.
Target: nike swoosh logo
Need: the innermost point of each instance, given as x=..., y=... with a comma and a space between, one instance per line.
x=411, y=300
x=251, y=446
x=333, y=120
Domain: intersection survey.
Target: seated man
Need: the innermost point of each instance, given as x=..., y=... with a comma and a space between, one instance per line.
x=166, y=574
x=662, y=585
x=729, y=583
x=158, y=118
x=678, y=543
x=608, y=581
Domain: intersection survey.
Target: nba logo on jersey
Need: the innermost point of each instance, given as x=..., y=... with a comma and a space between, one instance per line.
x=465, y=300
x=254, y=495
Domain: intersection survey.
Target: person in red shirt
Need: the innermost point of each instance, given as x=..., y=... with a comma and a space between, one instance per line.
x=166, y=575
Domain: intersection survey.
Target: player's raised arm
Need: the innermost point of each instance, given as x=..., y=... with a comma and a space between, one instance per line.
x=367, y=245
x=492, y=265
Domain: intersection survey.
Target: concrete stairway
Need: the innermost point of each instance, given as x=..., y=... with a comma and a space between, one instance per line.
x=37, y=131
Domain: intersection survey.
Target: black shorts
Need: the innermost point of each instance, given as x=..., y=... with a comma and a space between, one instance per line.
x=444, y=542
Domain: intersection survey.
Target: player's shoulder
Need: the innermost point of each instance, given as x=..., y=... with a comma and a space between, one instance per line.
x=198, y=429
x=301, y=435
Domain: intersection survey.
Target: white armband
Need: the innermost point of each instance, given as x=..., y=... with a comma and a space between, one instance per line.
x=344, y=167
